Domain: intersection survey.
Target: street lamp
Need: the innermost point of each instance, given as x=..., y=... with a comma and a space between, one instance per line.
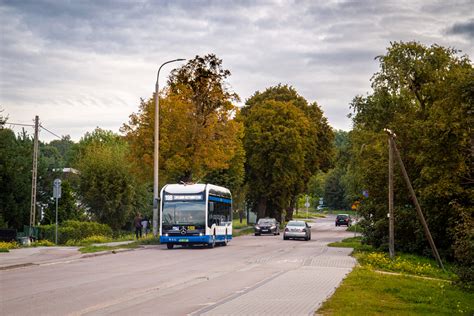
x=157, y=148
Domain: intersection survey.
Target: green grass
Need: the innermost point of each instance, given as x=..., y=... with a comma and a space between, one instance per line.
x=93, y=249
x=237, y=225
x=366, y=292
x=354, y=228
x=353, y=242
x=419, y=286
x=4, y=250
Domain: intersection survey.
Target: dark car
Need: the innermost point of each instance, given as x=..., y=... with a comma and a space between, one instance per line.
x=267, y=226
x=343, y=219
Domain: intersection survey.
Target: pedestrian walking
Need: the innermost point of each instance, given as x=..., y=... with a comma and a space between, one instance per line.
x=145, y=225
x=138, y=225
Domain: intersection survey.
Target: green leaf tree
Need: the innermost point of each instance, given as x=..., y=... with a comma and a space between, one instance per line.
x=425, y=95
x=108, y=188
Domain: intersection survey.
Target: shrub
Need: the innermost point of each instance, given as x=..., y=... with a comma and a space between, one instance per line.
x=8, y=245
x=42, y=243
x=75, y=231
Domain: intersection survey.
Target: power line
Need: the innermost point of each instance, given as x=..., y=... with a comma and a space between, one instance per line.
x=50, y=131
x=9, y=123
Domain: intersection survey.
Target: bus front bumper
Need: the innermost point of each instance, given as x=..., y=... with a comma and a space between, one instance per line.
x=192, y=239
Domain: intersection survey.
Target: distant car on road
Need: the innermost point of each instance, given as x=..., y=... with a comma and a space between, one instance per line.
x=267, y=226
x=343, y=219
x=297, y=229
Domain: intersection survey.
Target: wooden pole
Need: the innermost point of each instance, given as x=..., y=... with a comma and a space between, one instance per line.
x=391, y=219
x=418, y=208
x=34, y=175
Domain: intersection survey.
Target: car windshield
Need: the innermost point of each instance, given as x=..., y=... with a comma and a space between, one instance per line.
x=184, y=213
x=295, y=223
x=342, y=216
x=265, y=221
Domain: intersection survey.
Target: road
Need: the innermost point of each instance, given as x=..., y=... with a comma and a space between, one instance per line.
x=261, y=275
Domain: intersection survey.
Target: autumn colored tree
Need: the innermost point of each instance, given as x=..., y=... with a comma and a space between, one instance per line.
x=199, y=137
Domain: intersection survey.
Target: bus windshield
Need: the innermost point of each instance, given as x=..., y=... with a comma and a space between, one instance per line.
x=184, y=213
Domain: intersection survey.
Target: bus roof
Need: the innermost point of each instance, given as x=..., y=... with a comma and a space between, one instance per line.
x=194, y=188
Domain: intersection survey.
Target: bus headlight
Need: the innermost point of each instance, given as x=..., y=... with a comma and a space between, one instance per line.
x=200, y=234
x=166, y=235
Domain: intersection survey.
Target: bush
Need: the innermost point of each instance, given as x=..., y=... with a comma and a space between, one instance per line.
x=42, y=243
x=8, y=245
x=75, y=231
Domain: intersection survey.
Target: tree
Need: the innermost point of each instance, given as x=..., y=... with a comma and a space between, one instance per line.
x=425, y=95
x=286, y=141
x=15, y=178
x=199, y=137
x=108, y=187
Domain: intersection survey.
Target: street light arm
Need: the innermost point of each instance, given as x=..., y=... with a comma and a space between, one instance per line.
x=159, y=69
x=156, y=151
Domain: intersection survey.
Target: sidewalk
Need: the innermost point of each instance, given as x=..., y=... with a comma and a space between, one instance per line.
x=23, y=257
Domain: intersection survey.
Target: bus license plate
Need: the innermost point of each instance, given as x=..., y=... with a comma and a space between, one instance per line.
x=183, y=240
x=191, y=227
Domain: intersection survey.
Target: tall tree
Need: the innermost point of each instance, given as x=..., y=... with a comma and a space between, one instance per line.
x=199, y=137
x=286, y=140
x=15, y=178
x=108, y=188
x=425, y=95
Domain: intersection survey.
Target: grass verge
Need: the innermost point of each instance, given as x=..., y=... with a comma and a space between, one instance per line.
x=415, y=287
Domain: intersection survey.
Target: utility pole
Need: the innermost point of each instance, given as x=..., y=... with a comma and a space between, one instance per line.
x=394, y=149
x=34, y=175
x=391, y=219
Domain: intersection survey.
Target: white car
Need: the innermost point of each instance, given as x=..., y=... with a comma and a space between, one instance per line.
x=297, y=229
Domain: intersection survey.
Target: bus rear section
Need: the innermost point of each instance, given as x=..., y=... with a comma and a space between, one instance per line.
x=195, y=214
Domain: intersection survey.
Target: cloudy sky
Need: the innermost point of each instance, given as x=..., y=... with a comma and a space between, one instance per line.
x=82, y=64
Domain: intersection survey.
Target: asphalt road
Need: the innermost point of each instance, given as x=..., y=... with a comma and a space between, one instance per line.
x=262, y=275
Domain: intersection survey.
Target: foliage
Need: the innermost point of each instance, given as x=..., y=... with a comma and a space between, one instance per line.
x=42, y=243
x=425, y=95
x=15, y=178
x=422, y=288
x=75, y=231
x=396, y=295
x=95, y=239
x=9, y=245
x=199, y=137
x=108, y=187
x=286, y=141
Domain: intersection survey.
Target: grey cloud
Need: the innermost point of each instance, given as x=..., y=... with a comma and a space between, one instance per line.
x=463, y=28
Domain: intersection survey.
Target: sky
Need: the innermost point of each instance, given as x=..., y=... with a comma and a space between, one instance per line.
x=81, y=64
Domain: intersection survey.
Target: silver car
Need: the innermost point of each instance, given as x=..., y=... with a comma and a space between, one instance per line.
x=297, y=229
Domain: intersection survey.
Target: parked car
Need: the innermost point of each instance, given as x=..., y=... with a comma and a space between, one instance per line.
x=343, y=219
x=297, y=229
x=267, y=226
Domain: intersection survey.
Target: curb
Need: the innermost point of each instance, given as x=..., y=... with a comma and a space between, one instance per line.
x=20, y=265
x=106, y=252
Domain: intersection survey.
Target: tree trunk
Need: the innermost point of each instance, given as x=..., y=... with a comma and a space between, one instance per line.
x=261, y=208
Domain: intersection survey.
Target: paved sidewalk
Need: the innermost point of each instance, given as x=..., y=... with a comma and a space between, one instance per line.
x=37, y=255
x=23, y=257
x=296, y=292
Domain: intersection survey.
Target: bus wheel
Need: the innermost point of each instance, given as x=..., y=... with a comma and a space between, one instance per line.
x=169, y=246
x=212, y=244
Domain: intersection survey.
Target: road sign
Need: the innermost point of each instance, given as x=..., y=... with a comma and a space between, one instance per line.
x=57, y=188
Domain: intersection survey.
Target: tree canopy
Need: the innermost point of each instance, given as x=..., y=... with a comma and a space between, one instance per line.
x=286, y=141
x=425, y=95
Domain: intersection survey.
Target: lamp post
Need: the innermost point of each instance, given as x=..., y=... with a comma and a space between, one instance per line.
x=157, y=149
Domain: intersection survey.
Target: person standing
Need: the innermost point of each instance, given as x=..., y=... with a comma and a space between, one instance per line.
x=145, y=225
x=138, y=225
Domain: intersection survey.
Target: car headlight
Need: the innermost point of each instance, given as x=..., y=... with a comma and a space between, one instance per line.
x=273, y=227
x=257, y=227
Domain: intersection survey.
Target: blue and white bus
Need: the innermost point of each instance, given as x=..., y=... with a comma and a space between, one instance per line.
x=195, y=214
